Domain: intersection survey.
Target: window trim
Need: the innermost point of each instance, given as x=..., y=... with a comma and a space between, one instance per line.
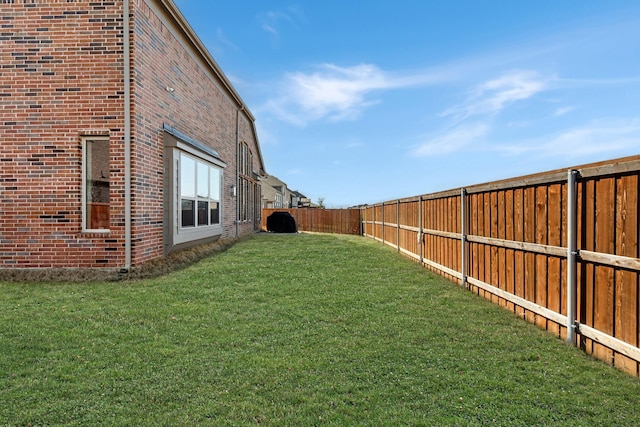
x=197, y=198
x=246, y=180
x=85, y=205
x=176, y=236
x=189, y=149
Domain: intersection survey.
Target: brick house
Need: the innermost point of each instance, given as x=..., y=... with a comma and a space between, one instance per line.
x=274, y=192
x=122, y=140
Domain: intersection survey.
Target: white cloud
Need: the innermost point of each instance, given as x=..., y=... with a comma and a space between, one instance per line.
x=487, y=100
x=335, y=93
x=269, y=29
x=354, y=144
x=493, y=96
x=604, y=136
x=452, y=141
x=563, y=110
x=271, y=21
x=222, y=38
x=578, y=82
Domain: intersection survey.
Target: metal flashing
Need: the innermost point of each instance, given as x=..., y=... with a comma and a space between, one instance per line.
x=187, y=139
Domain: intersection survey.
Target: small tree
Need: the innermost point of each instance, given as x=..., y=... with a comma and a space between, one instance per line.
x=321, y=202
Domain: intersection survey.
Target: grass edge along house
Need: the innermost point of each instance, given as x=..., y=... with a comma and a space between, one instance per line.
x=123, y=140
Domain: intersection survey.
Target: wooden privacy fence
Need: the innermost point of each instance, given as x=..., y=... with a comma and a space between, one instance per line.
x=559, y=248
x=337, y=221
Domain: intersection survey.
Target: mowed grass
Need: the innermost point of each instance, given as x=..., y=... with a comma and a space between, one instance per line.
x=296, y=330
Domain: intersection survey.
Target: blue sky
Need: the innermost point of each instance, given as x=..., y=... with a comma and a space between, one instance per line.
x=364, y=101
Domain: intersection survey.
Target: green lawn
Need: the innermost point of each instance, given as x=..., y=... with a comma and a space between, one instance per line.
x=295, y=330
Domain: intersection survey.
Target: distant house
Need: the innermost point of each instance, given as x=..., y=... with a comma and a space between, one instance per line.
x=275, y=193
x=122, y=139
x=299, y=200
x=294, y=198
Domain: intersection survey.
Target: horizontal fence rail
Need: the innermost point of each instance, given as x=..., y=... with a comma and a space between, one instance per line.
x=337, y=221
x=560, y=249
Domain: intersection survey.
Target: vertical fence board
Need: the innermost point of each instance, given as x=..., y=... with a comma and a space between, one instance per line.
x=541, y=230
x=501, y=233
x=529, y=258
x=473, y=230
x=518, y=235
x=455, y=248
x=445, y=224
x=509, y=253
x=563, y=262
x=479, y=231
x=451, y=216
x=486, y=249
x=603, y=304
x=425, y=214
x=587, y=276
x=626, y=308
x=554, y=221
x=580, y=270
x=493, y=250
x=426, y=222
x=437, y=225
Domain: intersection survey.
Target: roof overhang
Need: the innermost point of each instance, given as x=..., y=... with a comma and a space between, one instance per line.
x=199, y=48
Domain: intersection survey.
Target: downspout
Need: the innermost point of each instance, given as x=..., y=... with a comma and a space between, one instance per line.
x=127, y=135
x=572, y=254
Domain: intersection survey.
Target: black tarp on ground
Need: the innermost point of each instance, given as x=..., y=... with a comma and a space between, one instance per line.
x=281, y=222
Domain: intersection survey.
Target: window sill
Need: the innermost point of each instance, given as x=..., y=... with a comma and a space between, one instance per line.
x=185, y=235
x=95, y=233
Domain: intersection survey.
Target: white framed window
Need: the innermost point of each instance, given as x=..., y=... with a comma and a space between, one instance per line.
x=193, y=190
x=245, y=181
x=200, y=192
x=96, y=167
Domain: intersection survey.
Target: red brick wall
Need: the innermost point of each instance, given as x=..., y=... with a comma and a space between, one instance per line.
x=60, y=78
x=198, y=106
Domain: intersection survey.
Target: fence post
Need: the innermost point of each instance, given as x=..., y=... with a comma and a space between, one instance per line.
x=382, y=231
x=572, y=254
x=398, y=225
x=463, y=238
x=373, y=223
x=420, y=227
x=345, y=222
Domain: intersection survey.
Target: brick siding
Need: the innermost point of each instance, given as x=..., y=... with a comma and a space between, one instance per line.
x=61, y=78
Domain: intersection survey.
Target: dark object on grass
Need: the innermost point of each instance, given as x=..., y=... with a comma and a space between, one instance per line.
x=281, y=222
